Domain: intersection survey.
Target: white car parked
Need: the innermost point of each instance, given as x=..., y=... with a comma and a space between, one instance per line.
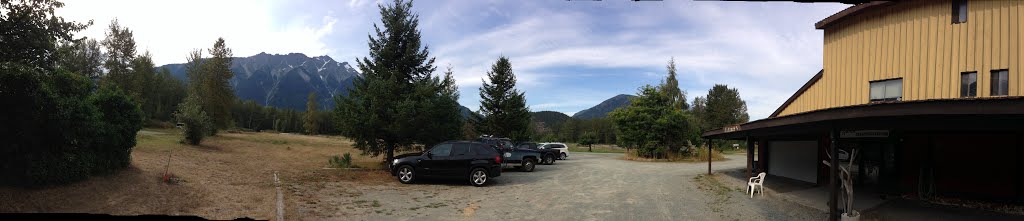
x=561, y=147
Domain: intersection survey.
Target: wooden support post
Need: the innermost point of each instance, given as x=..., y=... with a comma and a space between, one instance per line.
x=833, y=213
x=1020, y=170
x=750, y=157
x=709, y=156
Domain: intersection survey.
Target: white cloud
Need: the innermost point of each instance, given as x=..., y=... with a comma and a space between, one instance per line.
x=767, y=50
x=170, y=29
x=760, y=48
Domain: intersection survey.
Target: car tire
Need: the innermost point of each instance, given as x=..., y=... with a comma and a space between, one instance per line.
x=548, y=159
x=564, y=156
x=528, y=165
x=406, y=174
x=478, y=177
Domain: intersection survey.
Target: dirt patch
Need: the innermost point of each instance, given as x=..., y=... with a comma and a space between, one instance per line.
x=469, y=211
x=229, y=176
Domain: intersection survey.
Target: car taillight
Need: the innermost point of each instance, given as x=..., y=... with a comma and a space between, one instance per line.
x=497, y=159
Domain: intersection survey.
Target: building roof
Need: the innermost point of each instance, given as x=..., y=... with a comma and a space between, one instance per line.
x=978, y=106
x=798, y=93
x=851, y=11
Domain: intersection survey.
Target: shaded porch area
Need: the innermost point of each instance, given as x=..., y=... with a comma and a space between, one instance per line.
x=908, y=151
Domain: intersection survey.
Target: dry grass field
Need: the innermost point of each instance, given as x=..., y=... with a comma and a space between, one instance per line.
x=229, y=176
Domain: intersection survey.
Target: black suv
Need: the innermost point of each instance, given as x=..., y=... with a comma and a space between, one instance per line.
x=463, y=159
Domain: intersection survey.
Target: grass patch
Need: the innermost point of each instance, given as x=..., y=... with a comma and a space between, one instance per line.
x=221, y=179
x=698, y=155
x=597, y=148
x=715, y=189
x=435, y=205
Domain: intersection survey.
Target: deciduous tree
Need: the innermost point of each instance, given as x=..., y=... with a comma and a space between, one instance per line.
x=29, y=32
x=311, y=120
x=81, y=56
x=724, y=107
x=651, y=123
x=120, y=45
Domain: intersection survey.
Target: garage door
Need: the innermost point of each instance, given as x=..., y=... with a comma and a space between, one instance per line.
x=794, y=159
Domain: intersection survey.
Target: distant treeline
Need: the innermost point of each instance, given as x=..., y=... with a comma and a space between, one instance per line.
x=251, y=116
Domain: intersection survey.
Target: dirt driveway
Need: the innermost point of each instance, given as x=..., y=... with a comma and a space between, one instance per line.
x=585, y=187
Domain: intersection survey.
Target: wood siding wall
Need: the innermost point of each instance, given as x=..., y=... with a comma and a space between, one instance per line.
x=917, y=41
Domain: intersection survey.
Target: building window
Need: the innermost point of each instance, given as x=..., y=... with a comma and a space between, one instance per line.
x=887, y=90
x=959, y=11
x=969, y=84
x=1000, y=83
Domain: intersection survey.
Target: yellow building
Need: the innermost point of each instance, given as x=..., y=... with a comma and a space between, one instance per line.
x=929, y=93
x=920, y=47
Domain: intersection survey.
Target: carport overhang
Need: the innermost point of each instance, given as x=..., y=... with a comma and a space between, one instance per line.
x=968, y=114
x=992, y=113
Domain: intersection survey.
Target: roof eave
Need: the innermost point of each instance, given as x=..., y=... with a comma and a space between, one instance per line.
x=850, y=11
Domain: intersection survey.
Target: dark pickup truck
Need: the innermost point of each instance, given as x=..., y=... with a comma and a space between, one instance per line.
x=524, y=159
x=548, y=156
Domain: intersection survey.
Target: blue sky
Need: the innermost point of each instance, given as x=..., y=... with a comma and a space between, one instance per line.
x=567, y=55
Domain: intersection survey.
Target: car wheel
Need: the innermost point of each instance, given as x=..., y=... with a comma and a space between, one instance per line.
x=478, y=177
x=528, y=165
x=406, y=174
x=564, y=156
x=548, y=159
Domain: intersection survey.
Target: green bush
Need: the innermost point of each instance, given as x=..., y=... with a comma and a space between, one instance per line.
x=59, y=130
x=197, y=123
x=341, y=162
x=121, y=118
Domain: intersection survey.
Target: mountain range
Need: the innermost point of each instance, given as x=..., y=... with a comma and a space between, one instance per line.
x=606, y=106
x=286, y=80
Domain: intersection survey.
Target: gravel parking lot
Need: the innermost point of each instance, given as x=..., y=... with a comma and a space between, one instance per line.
x=587, y=186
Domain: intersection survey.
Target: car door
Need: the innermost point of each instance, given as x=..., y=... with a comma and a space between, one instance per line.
x=434, y=163
x=458, y=164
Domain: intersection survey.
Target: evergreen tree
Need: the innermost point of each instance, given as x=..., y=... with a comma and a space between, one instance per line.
x=504, y=107
x=170, y=91
x=386, y=110
x=217, y=92
x=670, y=86
x=442, y=120
x=142, y=83
x=311, y=124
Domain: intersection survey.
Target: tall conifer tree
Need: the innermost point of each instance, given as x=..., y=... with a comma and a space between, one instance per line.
x=503, y=107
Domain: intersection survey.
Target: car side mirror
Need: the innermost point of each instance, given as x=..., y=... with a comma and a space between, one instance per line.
x=430, y=155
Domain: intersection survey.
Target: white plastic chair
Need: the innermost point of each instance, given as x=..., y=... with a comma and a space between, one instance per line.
x=756, y=182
